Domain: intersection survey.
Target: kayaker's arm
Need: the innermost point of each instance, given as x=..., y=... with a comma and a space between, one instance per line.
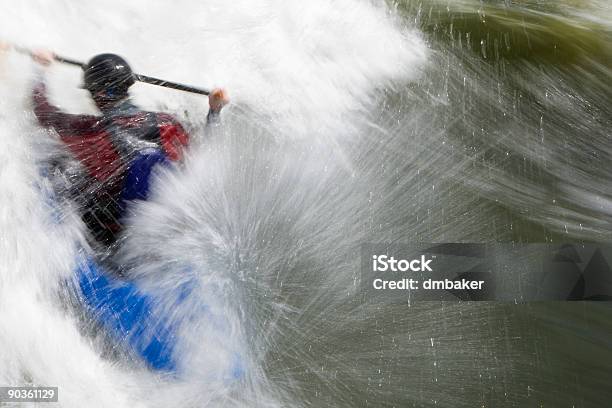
x=49, y=115
x=217, y=99
x=45, y=112
x=213, y=118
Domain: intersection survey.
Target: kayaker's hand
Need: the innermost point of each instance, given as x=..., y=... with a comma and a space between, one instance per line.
x=217, y=99
x=43, y=57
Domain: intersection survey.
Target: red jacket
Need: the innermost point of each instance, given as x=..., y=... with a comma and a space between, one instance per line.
x=94, y=139
x=105, y=146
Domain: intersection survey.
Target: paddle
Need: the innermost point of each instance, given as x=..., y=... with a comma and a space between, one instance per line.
x=139, y=77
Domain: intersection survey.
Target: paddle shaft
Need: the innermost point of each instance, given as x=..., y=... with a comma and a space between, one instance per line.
x=139, y=77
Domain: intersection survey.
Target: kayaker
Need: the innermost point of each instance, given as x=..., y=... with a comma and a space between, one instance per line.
x=119, y=148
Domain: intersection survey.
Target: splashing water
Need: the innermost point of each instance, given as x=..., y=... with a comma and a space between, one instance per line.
x=346, y=128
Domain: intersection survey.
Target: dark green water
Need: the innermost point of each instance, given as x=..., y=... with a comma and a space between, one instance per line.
x=526, y=91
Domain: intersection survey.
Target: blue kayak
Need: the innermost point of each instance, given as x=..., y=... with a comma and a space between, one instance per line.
x=128, y=314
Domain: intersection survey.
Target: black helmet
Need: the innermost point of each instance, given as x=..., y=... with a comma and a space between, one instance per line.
x=108, y=72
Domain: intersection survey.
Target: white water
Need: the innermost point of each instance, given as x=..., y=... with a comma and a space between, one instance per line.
x=301, y=75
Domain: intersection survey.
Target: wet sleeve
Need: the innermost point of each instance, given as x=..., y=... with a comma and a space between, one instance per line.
x=45, y=112
x=213, y=118
x=49, y=115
